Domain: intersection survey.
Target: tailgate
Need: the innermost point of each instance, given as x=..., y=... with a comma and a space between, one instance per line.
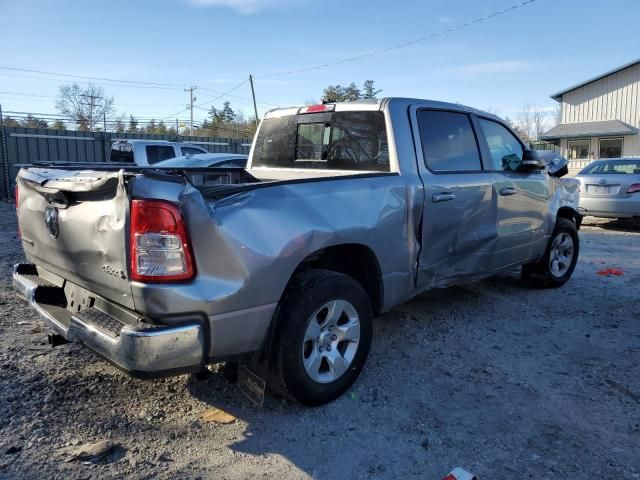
x=73, y=224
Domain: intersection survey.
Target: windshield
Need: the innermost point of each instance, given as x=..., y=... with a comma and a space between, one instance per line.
x=325, y=141
x=612, y=167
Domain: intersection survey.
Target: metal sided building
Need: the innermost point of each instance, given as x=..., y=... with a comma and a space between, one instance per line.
x=600, y=117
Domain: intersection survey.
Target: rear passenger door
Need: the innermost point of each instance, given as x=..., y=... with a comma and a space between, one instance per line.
x=459, y=217
x=523, y=197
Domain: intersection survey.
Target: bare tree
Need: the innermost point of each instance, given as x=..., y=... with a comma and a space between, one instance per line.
x=525, y=121
x=557, y=115
x=532, y=121
x=515, y=126
x=539, y=117
x=86, y=107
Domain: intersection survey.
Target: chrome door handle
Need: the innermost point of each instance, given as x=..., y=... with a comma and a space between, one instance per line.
x=442, y=197
x=506, y=191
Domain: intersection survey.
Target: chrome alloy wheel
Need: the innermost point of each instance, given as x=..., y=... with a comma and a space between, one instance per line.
x=561, y=254
x=331, y=341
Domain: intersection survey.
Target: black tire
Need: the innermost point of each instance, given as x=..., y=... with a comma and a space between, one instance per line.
x=540, y=273
x=307, y=293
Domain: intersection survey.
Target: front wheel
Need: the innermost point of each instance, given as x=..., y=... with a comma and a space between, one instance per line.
x=322, y=338
x=559, y=261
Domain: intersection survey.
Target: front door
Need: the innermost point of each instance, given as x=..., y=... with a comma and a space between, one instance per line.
x=459, y=219
x=523, y=197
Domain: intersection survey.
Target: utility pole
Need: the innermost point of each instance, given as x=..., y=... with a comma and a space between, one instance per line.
x=193, y=99
x=253, y=95
x=92, y=105
x=4, y=159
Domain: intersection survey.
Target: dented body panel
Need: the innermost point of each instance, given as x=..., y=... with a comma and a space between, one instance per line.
x=248, y=239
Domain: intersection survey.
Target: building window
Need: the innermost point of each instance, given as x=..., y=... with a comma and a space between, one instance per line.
x=610, y=147
x=578, y=149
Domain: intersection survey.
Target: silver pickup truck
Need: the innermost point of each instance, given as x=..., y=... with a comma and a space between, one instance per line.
x=345, y=210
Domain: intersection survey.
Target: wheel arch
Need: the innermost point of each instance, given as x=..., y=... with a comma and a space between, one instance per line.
x=354, y=259
x=570, y=214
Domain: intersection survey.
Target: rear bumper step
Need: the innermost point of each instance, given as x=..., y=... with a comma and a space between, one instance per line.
x=141, y=349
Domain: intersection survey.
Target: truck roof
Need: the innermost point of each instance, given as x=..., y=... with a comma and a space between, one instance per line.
x=379, y=104
x=143, y=140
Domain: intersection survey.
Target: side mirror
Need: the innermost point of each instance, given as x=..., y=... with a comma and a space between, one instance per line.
x=532, y=161
x=556, y=164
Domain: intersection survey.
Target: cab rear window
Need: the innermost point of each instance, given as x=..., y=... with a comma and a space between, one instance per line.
x=324, y=141
x=121, y=152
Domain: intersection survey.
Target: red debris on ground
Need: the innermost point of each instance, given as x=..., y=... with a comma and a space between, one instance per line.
x=610, y=271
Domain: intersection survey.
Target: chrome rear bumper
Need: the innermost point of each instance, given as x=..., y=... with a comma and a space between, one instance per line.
x=139, y=348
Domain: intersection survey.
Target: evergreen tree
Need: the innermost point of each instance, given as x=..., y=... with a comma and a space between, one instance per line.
x=338, y=93
x=369, y=89
x=32, y=122
x=228, y=114
x=120, y=127
x=133, y=125
x=161, y=128
x=216, y=115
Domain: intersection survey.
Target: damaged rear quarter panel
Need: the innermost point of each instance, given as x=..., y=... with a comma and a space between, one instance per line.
x=246, y=247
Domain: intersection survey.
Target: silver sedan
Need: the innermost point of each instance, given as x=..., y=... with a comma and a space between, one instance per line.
x=203, y=160
x=611, y=188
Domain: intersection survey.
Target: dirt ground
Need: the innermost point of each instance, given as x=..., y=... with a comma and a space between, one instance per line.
x=503, y=380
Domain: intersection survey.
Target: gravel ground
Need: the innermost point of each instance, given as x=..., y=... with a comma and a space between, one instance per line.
x=503, y=380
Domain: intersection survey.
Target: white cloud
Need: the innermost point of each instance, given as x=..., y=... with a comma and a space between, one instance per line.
x=491, y=68
x=245, y=7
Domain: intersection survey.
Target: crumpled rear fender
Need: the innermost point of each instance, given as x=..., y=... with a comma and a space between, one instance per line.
x=566, y=197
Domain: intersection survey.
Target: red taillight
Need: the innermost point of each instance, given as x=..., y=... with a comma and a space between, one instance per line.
x=159, y=244
x=317, y=108
x=634, y=188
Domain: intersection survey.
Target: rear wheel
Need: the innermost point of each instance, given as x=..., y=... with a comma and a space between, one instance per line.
x=322, y=339
x=559, y=261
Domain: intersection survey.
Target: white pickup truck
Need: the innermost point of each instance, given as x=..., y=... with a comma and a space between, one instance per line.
x=149, y=152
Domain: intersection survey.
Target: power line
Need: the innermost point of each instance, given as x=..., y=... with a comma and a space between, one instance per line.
x=26, y=94
x=59, y=80
x=225, y=93
x=20, y=94
x=401, y=45
x=178, y=113
x=84, y=77
x=247, y=100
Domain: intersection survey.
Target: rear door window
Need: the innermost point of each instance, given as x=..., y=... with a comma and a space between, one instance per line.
x=326, y=141
x=157, y=153
x=448, y=141
x=191, y=151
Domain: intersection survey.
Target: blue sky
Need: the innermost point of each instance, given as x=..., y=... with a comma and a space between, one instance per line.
x=502, y=63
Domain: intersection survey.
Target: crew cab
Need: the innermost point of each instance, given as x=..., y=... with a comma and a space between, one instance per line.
x=344, y=211
x=150, y=152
